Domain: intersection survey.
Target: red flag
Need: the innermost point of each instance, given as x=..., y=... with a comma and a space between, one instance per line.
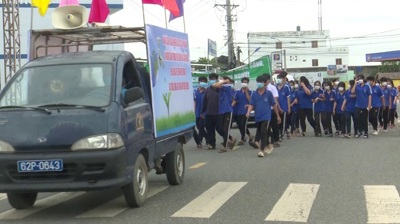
x=172, y=6
x=98, y=11
x=181, y=10
x=155, y=2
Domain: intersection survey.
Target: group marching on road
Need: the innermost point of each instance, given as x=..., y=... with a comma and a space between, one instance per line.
x=281, y=109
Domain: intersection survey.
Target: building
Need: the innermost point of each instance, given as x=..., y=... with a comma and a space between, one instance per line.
x=300, y=51
x=31, y=19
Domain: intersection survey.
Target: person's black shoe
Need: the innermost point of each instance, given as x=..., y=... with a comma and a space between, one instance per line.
x=253, y=144
x=365, y=135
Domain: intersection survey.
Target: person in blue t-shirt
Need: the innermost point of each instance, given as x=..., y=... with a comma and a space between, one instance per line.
x=318, y=98
x=338, y=115
x=329, y=101
x=294, y=118
x=305, y=104
x=363, y=104
x=261, y=101
x=284, y=103
x=348, y=108
x=393, y=93
x=384, y=117
x=198, y=104
x=377, y=102
x=240, y=100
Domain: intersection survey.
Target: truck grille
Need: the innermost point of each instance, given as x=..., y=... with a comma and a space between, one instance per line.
x=70, y=170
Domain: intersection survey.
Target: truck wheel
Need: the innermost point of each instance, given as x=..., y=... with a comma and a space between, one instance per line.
x=175, y=165
x=136, y=192
x=21, y=200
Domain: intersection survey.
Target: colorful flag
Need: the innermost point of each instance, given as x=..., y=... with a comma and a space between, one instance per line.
x=42, y=6
x=98, y=11
x=68, y=2
x=172, y=6
x=181, y=10
x=155, y=2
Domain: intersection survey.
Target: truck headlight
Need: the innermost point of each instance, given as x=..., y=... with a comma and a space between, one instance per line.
x=106, y=141
x=5, y=147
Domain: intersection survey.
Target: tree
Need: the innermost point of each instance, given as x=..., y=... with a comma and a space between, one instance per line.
x=389, y=66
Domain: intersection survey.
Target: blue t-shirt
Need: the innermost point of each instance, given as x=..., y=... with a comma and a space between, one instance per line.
x=225, y=99
x=329, y=100
x=377, y=95
x=319, y=106
x=262, y=105
x=339, y=98
x=394, y=94
x=241, y=101
x=198, y=98
x=284, y=94
x=362, y=93
x=303, y=98
x=350, y=101
x=293, y=96
x=386, y=95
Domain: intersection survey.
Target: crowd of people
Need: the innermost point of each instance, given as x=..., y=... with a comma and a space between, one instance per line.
x=281, y=109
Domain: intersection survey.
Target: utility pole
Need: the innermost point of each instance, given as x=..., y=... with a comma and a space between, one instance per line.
x=229, y=19
x=238, y=52
x=320, y=15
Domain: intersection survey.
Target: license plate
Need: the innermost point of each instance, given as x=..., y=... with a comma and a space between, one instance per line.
x=40, y=165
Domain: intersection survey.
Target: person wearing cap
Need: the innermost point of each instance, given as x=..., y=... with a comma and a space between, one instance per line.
x=363, y=105
x=284, y=103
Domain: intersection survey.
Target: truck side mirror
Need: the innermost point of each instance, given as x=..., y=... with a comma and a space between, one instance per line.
x=133, y=94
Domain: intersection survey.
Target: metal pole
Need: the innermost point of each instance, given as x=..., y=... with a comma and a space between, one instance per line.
x=230, y=32
x=165, y=18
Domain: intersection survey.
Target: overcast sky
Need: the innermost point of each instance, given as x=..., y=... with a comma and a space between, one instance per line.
x=365, y=26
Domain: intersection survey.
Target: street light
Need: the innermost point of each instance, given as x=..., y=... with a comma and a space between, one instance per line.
x=248, y=58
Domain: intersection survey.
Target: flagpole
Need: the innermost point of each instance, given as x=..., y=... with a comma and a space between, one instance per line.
x=31, y=16
x=144, y=17
x=165, y=18
x=184, y=23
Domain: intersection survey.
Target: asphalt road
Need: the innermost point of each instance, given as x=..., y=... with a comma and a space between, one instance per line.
x=306, y=180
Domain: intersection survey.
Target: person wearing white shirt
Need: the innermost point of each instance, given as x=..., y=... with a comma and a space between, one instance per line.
x=274, y=122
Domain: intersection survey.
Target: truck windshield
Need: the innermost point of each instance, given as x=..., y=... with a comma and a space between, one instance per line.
x=75, y=84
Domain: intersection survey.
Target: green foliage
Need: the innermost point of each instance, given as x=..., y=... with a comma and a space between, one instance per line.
x=167, y=97
x=389, y=66
x=174, y=121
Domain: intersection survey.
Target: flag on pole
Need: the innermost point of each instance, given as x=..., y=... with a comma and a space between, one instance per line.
x=155, y=2
x=42, y=6
x=98, y=11
x=68, y=2
x=172, y=6
x=181, y=10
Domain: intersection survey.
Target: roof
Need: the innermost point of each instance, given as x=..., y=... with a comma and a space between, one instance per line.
x=383, y=56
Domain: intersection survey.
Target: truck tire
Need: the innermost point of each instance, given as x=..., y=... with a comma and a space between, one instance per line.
x=22, y=200
x=175, y=165
x=135, y=193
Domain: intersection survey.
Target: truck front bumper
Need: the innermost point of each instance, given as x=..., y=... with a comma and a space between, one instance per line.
x=82, y=171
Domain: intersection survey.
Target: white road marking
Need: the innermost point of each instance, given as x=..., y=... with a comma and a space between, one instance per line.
x=383, y=204
x=118, y=205
x=3, y=196
x=295, y=203
x=40, y=205
x=205, y=205
x=198, y=165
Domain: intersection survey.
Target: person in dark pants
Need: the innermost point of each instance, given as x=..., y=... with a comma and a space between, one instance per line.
x=200, y=122
x=261, y=101
x=294, y=118
x=210, y=109
x=284, y=103
x=338, y=114
x=348, y=108
x=305, y=104
x=377, y=102
x=225, y=112
x=329, y=101
x=241, y=99
x=318, y=98
x=363, y=105
x=384, y=121
x=392, y=112
x=273, y=123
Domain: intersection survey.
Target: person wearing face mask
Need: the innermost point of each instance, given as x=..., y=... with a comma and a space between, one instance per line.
x=274, y=124
x=284, y=103
x=210, y=109
x=363, y=105
x=318, y=98
x=338, y=115
x=348, y=108
x=198, y=104
x=305, y=104
x=261, y=101
x=392, y=112
x=329, y=101
x=335, y=84
x=377, y=102
x=241, y=99
x=384, y=119
x=294, y=118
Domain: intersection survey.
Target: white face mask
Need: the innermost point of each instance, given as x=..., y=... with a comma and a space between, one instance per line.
x=376, y=84
x=341, y=89
x=384, y=83
x=317, y=87
x=360, y=81
x=244, y=85
x=389, y=86
x=296, y=85
x=327, y=87
x=337, y=83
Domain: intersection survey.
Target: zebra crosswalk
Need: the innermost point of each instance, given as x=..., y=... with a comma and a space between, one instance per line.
x=295, y=204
